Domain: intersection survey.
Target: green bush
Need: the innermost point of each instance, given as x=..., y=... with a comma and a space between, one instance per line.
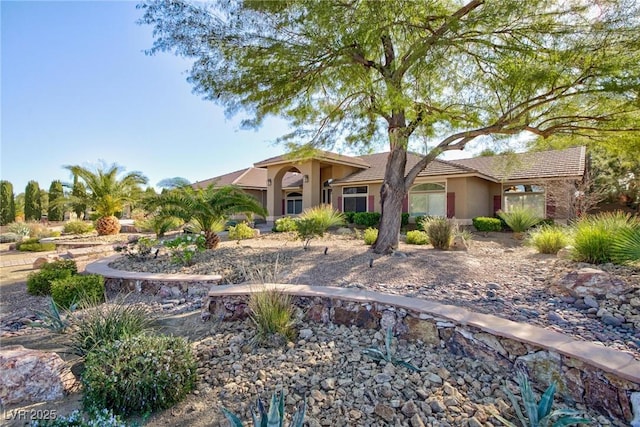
x=324, y=216
x=139, y=374
x=73, y=289
x=404, y=221
x=9, y=237
x=519, y=219
x=626, y=247
x=285, y=224
x=272, y=312
x=367, y=219
x=39, y=283
x=77, y=227
x=417, y=237
x=22, y=229
x=32, y=245
x=485, y=224
x=107, y=323
x=548, y=239
x=61, y=264
x=241, y=231
x=440, y=232
x=370, y=236
x=348, y=216
x=594, y=236
x=158, y=224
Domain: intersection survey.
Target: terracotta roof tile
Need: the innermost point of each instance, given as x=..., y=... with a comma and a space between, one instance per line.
x=321, y=155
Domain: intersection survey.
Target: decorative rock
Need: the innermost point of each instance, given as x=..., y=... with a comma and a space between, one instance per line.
x=416, y=421
x=409, y=409
x=590, y=282
x=422, y=330
x=474, y=422
x=437, y=406
x=635, y=405
x=305, y=334
x=458, y=244
x=610, y=320
x=385, y=412
x=32, y=376
x=590, y=301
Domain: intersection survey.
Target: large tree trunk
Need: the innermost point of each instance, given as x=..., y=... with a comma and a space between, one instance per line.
x=391, y=196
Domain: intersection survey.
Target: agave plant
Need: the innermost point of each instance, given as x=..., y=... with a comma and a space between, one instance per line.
x=272, y=418
x=206, y=208
x=539, y=414
x=519, y=219
x=107, y=193
x=388, y=355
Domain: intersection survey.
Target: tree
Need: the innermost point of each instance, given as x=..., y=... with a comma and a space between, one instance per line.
x=107, y=193
x=355, y=73
x=32, y=202
x=78, y=198
x=56, y=201
x=208, y=208
x=7, y=203
x=44, y=202
x=19, y=203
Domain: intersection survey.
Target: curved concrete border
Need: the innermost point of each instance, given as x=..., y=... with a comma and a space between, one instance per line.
x=102, y=268
x=610, y=360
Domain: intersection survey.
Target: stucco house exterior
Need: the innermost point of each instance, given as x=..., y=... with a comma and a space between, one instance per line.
x=464, y=189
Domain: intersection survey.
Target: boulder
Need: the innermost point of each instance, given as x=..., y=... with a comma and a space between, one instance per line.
x=459, y=244
x=32, y=376
x=590, y=282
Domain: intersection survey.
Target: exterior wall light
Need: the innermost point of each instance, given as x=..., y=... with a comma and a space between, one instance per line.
x=269, y=182
x=306, y=178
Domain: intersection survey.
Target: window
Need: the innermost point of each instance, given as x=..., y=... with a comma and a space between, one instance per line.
x=354, y=199
x=327, y=192
x=428, y=200
x=526, y=196
x=294, y=204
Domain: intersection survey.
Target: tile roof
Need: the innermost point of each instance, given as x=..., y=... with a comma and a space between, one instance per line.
x=320, y=155
x=537, y=164
x=226, y=179
x=250, y=178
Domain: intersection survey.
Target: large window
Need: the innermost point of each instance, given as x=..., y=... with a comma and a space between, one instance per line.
x=294, y=203
x=354, y=199
x=526, y=196
x=428, y=200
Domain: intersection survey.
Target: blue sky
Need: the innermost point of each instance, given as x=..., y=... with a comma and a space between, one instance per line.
x=77, y=88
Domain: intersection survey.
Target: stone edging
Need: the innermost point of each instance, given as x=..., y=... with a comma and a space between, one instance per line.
x=102, y=268
x=616, y=362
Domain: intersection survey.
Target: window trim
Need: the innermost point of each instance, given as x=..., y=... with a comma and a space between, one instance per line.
x=365, y=195
x=288, y=196
x=543, y=193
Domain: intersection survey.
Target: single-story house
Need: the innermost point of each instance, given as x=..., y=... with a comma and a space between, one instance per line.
x=543, y=181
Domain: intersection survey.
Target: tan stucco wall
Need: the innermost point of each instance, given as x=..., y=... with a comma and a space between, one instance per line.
x=459, y=187
x=478, y=201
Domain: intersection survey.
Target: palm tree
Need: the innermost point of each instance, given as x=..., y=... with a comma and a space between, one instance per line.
x=107, y=193
x=207, y=208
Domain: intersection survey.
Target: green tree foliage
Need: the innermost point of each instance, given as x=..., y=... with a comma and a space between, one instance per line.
x=78, y=198
x=56, y=201
x=19, y=201
x=32, y=202
x=206, y=207
x=7, y=203
x=359, y=73
x=108, y=190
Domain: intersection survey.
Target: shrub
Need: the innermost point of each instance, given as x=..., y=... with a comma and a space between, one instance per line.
x=348, y=216
x=158, y=224
x=285, y=224
x=626, y=246
x=324, y=216
x=32, y=245
x=417, y=237
x=9, y=237
x=140, y=249
x=77, y=227
x=486, y=224
x=594, y=236
x=370, y=236
x=139, y=374
x=70, y=290
x=7, y=203
x=367, y=219
x=22, y=229
x=272, y=312
x=61, y=264
x=440, y=232
x=241, y=231
x=548, y=239
x=32, y=201
x=39, y=283
x=519, y=219
x=95, y=418
x=184, y=248
x=404, y=221
x=105, y=324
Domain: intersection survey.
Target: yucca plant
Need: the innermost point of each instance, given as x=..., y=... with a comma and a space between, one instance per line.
x=519, y=219
x=272, y=312
x=272, y=418
x=388, y=355
x=549, y=239
x=107, y=193
x=206, y=208
x=539, y=414
x=625, y=248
